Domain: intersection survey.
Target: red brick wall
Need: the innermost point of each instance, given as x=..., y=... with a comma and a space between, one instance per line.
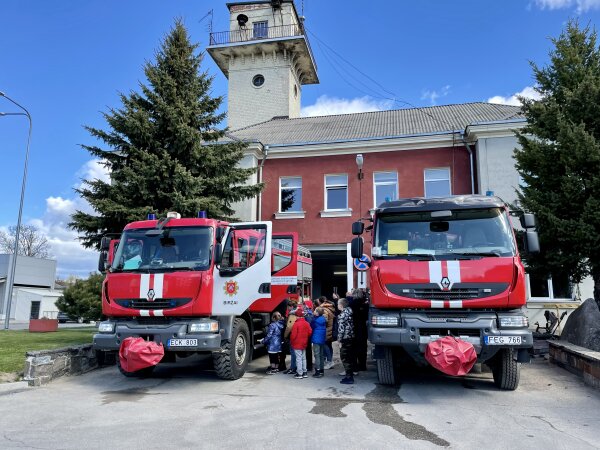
x=314, y=229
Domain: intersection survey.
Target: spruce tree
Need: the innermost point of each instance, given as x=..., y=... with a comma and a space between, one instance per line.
x=559, y=158
x=163, y=149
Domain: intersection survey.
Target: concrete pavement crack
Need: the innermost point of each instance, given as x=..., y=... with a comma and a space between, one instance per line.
x=22, y=443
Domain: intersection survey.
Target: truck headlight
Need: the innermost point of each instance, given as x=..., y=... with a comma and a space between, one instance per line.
x=106, y=327
x=384, y=321
x=513, y=322
x=206, y=326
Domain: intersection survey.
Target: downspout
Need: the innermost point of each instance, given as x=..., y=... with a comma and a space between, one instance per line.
x=259, y=177
x=470, y=150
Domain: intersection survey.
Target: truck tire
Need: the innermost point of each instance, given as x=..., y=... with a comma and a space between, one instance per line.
x=231, y=362
x=143, y=373
x=386, y=372
x=506, y=370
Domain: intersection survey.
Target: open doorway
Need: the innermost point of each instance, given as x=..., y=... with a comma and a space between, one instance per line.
x=329, y=273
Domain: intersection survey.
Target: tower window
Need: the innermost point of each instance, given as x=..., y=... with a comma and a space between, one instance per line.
x=295, y=91
x=258, y=80
x=261, y=29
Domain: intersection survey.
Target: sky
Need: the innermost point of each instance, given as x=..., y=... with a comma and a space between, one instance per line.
x=67, y=61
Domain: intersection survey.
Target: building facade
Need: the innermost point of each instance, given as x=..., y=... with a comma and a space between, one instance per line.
x=313, y=184
x=33, y=295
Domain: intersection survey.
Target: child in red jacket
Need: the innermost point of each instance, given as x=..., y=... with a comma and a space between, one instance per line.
x=299, y=338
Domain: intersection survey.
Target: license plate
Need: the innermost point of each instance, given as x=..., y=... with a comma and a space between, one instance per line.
x=502, y=340
x=183, y=343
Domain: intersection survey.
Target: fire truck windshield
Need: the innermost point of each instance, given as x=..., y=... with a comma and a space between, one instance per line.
x=445, y=234
x=176, y=248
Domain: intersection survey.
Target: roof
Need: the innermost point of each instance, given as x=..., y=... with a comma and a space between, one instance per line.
x=42, y=292
x=419, y=204
x=375, y=125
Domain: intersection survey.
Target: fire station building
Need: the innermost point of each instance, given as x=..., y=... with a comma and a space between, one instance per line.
x=323, y=173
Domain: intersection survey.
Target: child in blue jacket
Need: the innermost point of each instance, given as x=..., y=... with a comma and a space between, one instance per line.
x=319, y=340
x=273, y=342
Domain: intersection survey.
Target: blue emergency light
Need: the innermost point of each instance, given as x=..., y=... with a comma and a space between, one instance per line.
x=151, y=216
x=201, y=214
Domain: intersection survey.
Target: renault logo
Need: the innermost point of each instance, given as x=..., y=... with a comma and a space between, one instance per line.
x=151, y=294
x=445, y=283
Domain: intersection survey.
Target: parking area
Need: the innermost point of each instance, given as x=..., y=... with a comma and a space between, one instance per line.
x=186, y=405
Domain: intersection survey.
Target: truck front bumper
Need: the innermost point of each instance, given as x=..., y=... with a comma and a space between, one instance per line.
x=204, y=342
x=416, y=329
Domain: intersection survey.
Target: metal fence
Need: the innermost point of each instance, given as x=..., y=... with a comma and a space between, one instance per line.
x=254, y=34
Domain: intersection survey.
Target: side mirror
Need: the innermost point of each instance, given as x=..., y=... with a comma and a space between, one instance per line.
x=105, y=243
x=527, y=221
x=102, y=261
x=218, y=253
x=358, y=228
x=533, y=242
x=356, y=247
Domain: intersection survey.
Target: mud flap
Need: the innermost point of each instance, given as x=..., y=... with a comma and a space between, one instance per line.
x=524, y=355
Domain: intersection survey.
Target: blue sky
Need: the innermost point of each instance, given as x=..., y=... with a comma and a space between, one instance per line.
x=66, y=61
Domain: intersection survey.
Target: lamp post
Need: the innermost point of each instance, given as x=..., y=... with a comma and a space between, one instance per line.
x=13, y=265
x=359, y=162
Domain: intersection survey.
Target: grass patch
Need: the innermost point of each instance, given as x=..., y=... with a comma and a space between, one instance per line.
x=15, y=343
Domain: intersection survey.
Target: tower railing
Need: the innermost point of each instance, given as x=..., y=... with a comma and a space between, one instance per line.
x=256, y=34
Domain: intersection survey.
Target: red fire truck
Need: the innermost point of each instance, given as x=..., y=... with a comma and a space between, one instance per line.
x=198, y=285
x=447, y=267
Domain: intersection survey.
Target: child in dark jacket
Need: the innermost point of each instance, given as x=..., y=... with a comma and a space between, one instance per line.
x=272, y=342
x=319, y=340
x=299, y=339
x=346, y=338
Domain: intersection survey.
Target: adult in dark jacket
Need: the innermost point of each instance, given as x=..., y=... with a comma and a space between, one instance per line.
x=358, y=301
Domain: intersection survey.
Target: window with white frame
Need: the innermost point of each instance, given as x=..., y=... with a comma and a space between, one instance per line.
x=336, y=192
x=290, y=194
x=437, y=183
x=385, y=187
x=550, y=288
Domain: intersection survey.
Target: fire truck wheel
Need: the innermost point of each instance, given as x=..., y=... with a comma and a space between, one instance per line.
x=506, y=370
x=231, y=363
x=386, y=372
x=138, y=373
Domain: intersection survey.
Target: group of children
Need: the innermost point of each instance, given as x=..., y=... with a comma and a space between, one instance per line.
x=305, y=328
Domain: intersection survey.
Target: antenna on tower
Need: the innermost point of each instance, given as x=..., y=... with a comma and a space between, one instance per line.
x=210, y=24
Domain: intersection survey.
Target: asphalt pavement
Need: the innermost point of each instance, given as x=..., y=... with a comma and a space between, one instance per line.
x=187, y=406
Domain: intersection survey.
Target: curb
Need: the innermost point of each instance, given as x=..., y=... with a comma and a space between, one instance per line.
x=14, y=387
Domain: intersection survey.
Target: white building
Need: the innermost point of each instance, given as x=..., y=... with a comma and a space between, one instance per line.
x=34, y=293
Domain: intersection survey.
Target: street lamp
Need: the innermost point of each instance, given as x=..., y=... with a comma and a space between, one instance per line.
x=13, y=265
x=359, y=162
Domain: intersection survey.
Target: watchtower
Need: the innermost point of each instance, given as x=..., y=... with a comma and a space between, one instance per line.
x=267, y=59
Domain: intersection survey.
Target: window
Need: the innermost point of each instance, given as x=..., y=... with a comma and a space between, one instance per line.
x=282, y=252
x=290, y=194
x=550, y=288
x=385, y=187
x=258, y=80
x=336, y=192
x=261, y=29
x=244, y=247
x=437, y=183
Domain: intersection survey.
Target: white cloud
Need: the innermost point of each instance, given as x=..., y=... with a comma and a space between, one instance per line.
x=433, y=95
x=326, y=106
x=71, y=257
x=528, y=92
x=580, y=6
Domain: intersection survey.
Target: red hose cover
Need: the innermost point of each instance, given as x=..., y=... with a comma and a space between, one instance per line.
x=135, y=354
x=451, y=355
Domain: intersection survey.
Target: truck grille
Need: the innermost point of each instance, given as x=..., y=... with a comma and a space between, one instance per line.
x=436, y=294
x=459, y=291
x=159, y=303
x=473, y=332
